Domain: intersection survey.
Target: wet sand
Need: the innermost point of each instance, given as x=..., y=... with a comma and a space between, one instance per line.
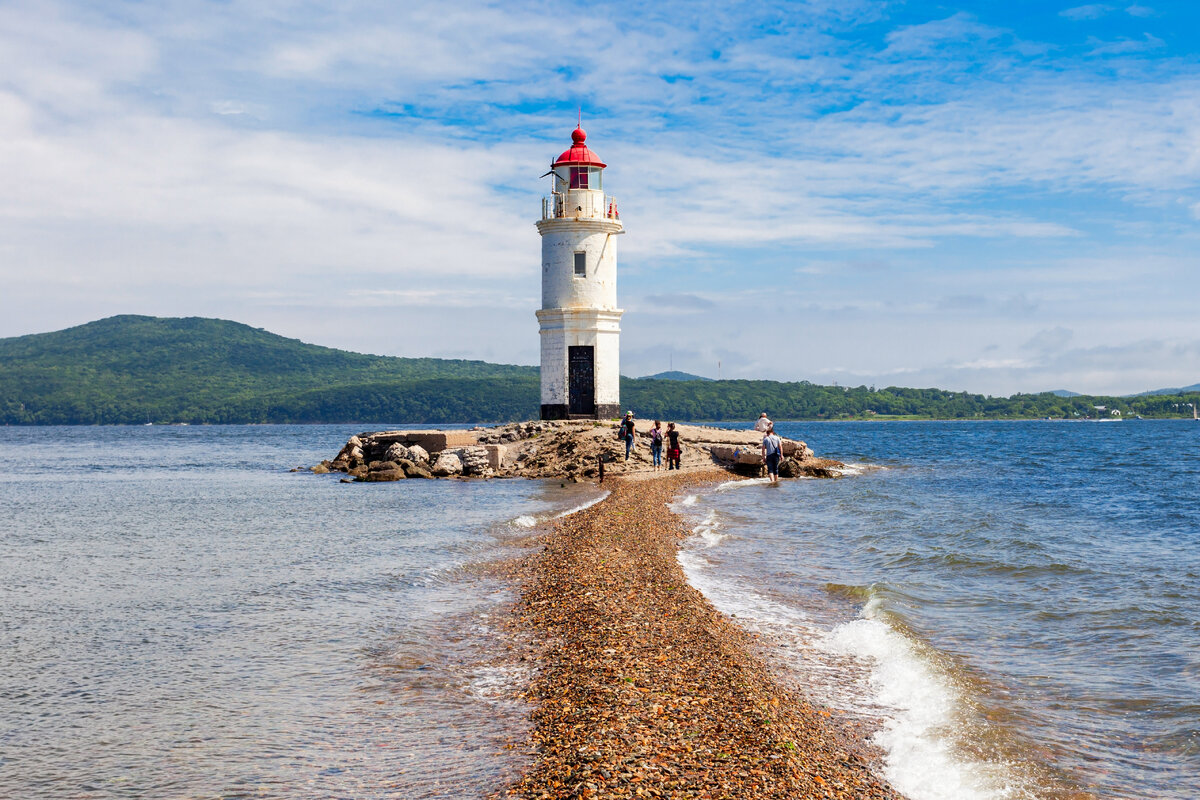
x=643, y=689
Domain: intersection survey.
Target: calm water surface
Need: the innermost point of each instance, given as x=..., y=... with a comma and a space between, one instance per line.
x=182, y=617
x=1013, y=602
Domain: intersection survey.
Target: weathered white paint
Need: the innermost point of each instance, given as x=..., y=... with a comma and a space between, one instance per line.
x=573, y=327
x=580, y=311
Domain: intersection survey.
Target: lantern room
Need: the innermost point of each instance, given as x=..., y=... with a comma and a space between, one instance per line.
x=578, y=167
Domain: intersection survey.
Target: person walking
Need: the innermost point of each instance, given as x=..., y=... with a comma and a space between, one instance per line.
x=674, y=451
x=627, y=431
x=656, y=445
x=763, y=423
x=772, y=450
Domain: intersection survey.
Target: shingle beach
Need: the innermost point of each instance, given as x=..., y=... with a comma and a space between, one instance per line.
x=643, y=689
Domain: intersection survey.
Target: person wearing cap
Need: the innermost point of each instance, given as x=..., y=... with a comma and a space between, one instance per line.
x=626, y=431
x=763, y=423
x=772, y=450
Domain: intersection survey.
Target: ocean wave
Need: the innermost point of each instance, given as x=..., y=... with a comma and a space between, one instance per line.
x=533, y=520
x=582, y=506
x=922, y=709
x=740, y=484
x=869, y=669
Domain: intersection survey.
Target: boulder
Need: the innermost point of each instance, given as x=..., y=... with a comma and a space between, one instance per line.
x=750, y=456
x=392, y=472
x=447, y=464
x=396, y=452
x=321, y=469
x=475, y=460
x=789, y=468
x=724, y=452
x=412, y=470
x=418, y=454
x=796, y=449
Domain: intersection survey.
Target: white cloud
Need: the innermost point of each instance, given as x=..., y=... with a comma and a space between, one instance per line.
x=326, y=171
x=1092, y=11
x=1125, y=46
x=961, y=28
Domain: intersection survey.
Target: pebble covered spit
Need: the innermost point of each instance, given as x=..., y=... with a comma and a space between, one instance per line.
x=643, y=689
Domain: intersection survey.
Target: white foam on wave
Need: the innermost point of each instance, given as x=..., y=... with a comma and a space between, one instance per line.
x=727, y=485
x=921, y=705
x=690, y=500
x=582, y=506
x=708, y=532
x=532, y=520
x=497, y=681
x=864, y=667
x=851, y=468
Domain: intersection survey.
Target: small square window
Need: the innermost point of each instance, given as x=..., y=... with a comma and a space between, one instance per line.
x=581, y=265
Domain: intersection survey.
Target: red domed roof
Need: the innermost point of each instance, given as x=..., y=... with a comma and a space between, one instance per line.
x=579, y=154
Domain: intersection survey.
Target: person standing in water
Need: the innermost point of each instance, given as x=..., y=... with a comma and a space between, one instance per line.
x=772, y=449
x=656, y=445
x=674, y=451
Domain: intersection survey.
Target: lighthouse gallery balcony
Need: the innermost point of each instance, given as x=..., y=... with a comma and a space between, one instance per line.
x=579, y=205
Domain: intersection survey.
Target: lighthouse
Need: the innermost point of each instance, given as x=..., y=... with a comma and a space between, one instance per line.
x=579, y=321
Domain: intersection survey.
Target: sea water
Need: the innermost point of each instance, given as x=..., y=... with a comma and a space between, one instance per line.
x=1010, y=605
x=181, y=616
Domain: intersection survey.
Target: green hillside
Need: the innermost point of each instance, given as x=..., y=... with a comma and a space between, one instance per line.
x=133, y=370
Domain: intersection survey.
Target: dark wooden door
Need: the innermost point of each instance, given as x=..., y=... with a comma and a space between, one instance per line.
x=581, y=380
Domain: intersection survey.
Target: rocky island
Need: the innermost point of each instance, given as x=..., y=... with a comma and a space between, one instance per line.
x=571, y=450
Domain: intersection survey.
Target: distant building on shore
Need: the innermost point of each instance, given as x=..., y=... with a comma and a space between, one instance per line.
x=579, y=321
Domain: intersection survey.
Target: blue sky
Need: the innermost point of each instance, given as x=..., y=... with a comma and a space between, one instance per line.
x=992, y=197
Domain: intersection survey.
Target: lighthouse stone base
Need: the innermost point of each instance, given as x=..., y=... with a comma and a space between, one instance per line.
x=580, y=372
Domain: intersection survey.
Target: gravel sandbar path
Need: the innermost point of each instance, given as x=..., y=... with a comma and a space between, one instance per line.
x=643, y=689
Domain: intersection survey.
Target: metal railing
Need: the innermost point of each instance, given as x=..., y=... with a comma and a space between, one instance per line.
x=584, y=206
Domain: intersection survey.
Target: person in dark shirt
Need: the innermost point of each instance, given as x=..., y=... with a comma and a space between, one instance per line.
x=674, y=450
x=627, y=431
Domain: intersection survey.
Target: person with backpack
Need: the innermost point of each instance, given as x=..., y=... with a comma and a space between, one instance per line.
x=656, y=445
x=674, y=451
x=627, y=431
x=772, y=450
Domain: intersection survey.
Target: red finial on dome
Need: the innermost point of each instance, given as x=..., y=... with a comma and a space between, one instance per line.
x=579, y=152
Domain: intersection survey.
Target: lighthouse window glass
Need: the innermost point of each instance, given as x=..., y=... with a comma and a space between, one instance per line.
x=581, y=265
x=579, y=177
x=593, y=178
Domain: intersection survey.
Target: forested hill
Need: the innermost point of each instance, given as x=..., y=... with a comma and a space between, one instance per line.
x=133, y=370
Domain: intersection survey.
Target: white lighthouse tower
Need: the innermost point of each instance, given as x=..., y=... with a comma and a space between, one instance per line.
x=579, y=320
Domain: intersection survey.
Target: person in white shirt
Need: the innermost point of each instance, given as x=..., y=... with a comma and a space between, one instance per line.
x=763, y=423
x=772, y=449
